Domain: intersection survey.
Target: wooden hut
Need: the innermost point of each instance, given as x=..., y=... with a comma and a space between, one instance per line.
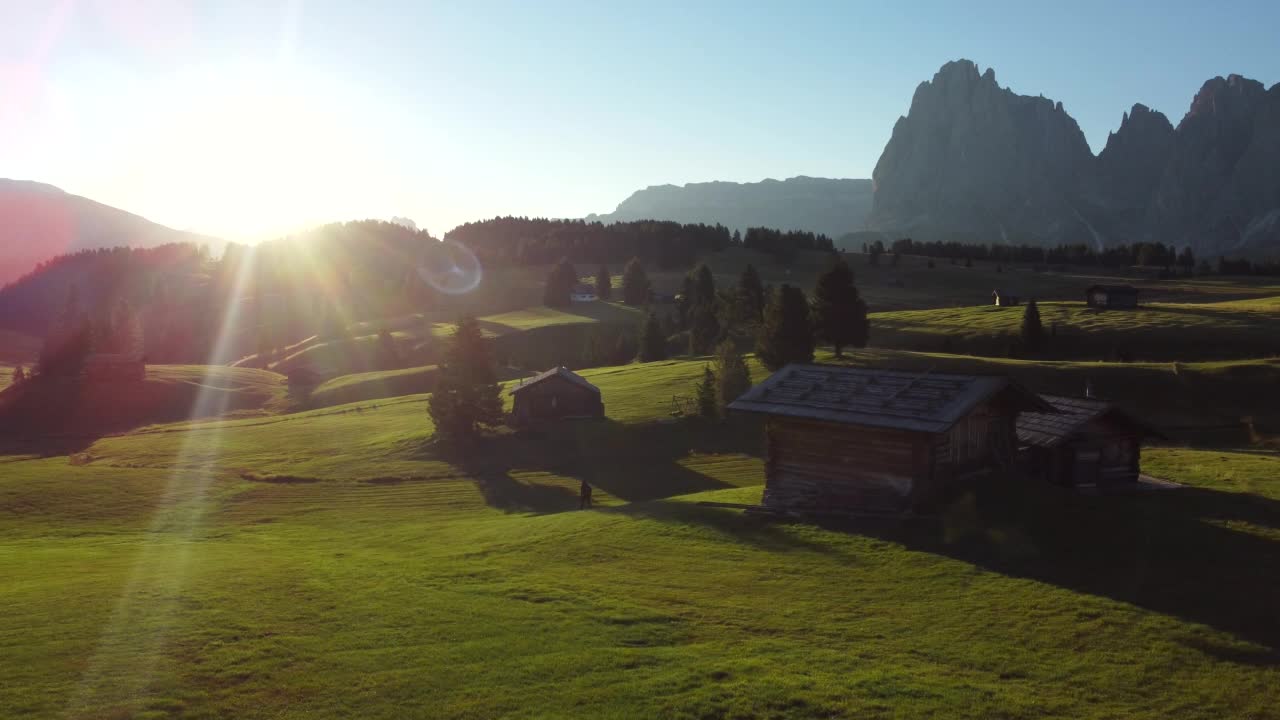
x=1004, y=298
x=843, y=439
x=108, y=367
x=582, y=292
x=1111, y=297
x=557, y=394
x=1086, y=443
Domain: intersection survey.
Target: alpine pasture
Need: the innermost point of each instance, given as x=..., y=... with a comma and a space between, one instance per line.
x=237, y=547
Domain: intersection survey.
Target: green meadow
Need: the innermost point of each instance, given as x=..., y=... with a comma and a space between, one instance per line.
x=335, y=562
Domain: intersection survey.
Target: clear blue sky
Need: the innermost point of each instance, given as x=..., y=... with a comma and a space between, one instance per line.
x=250, y=118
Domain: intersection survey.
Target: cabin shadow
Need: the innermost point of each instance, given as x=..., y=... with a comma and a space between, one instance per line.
x=631, y=462
x=1197, y=554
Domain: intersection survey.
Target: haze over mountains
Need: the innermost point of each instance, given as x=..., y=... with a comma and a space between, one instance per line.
x=38, y=222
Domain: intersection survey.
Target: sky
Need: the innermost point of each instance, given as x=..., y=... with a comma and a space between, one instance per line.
x=251, y=119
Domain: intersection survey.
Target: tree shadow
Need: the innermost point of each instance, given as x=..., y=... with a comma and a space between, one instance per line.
x=1169, y=552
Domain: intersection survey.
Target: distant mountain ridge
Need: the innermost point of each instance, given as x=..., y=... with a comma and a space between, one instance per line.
x=39, y=222
x=823, y=205
x=974, y=161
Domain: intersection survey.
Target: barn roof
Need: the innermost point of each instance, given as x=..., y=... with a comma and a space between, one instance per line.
x=1052, y=429
x=919, y=402
x=561, y=372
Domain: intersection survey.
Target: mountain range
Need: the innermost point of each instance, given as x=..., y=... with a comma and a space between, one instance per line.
x=822, y=205
x=974, y=162
x=38, y=222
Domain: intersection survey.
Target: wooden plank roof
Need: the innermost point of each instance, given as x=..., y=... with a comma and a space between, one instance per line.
x=1052, y=429
x=894, y=399
x=560, y=372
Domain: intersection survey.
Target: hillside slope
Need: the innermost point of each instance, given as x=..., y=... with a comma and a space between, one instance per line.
x=38, y=222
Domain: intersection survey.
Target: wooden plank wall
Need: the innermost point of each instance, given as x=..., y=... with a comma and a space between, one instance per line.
x=825, y=465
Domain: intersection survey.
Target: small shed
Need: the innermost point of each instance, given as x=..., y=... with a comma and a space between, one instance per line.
x=582, y=292
x=109, y=367
x=1004, y=298
x=557, y=394
x=1086, y=443
x=1111, y=297
x=842, y=439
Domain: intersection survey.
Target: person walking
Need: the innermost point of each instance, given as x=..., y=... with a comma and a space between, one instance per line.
x=584, y=495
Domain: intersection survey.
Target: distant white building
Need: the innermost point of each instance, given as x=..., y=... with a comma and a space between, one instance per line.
x=583, y=293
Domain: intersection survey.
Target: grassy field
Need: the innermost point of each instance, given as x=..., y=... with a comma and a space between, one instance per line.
x=335, y=563
x=1156, y=331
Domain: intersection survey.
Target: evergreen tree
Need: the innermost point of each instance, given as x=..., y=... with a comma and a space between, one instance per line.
x=604, y=283
x=737, y=238
x=839, y=314
x=19, y=375
x=704, y=286
x=1032, y=331
x=68, y=342
x=751, y=295
x=733, y=377
x=653, y=344
x=786, y=335
x=635, y=283
x=705, y=395
x=467, y=396
x=704, y=329
x=560, y=284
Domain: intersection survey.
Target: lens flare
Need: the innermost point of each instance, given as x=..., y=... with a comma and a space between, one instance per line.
x=451, y=268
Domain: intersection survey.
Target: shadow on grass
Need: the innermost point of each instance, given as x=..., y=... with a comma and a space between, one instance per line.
x=1169, y=552
x=632, y=462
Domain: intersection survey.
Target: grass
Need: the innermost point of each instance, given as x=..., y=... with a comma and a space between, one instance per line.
x=1156, y=331
x=336, y=563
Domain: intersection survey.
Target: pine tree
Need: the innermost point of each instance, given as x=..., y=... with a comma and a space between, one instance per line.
x=560, y=284
x=751, y=295
x=19, y=375
x=733, y=377
x=839, y=314
x=1032, y=331
x=69, y=340
x=705, y=394
x=704, y=329
x=704, y=286
x=467, y=396
x=653, y=344
x=786, y=335
x=635, y=284
x=604, y=283
x=389, y=354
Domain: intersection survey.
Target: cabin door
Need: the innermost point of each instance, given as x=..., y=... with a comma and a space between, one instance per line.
x=1086, y=467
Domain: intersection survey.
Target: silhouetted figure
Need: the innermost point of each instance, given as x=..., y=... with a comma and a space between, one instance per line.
x=584, y=495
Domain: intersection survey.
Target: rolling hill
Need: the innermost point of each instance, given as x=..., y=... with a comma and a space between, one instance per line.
x=38, y=222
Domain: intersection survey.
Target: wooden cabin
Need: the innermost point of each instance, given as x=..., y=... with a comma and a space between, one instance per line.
x=582, y=292
x=108, y=367
x=557, y=394
x=1112, y=297
x=842, y=439
x=1005, y=299
x=1086, y=443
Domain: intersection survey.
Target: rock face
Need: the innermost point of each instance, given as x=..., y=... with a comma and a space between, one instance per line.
x=833, y=207
x=972, y=161
x=38, y=222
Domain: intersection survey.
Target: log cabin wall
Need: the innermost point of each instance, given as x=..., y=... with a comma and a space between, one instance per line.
x=819, y=465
